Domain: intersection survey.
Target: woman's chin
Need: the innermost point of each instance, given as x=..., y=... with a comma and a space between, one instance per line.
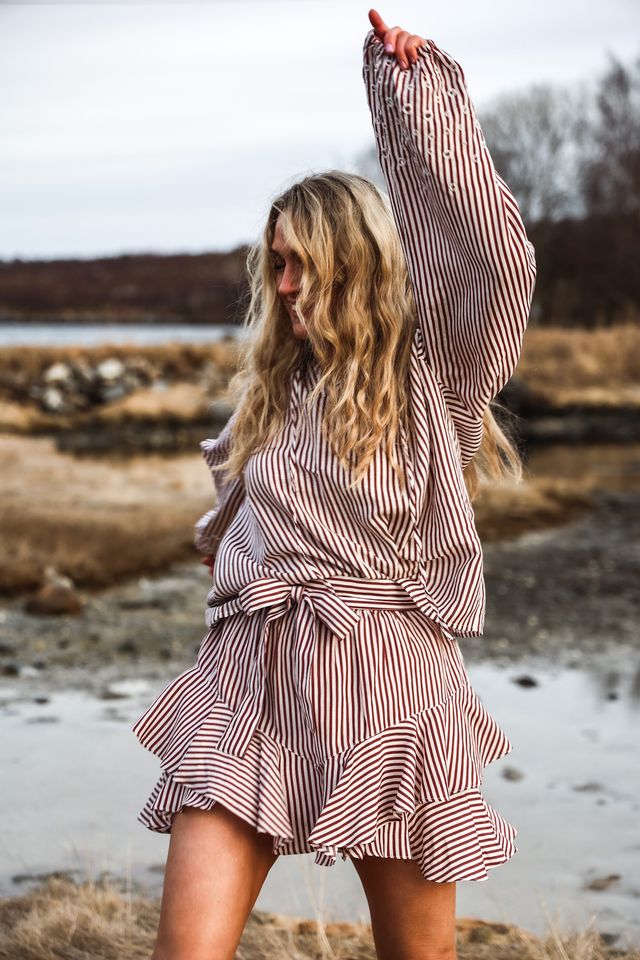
x=298, y=330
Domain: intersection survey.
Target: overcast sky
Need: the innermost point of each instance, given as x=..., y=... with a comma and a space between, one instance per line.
x=138, y=127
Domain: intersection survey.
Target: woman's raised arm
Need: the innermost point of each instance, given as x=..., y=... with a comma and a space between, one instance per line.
x=471, y=265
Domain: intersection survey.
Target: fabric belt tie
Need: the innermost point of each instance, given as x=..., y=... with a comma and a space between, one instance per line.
x=323, y=599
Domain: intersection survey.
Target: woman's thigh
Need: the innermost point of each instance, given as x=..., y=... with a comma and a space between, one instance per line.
x=216, y=866
x=411, y=918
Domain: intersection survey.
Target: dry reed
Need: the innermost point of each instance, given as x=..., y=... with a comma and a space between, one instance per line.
x=94, y=920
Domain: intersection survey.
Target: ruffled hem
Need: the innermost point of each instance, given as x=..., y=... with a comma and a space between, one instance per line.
x=411, y=791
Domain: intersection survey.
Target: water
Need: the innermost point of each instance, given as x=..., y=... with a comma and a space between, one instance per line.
x=91, y=335
x=75, y=777
x=612, y=466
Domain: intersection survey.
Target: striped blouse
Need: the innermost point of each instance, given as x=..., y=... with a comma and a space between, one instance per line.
x=290, y=518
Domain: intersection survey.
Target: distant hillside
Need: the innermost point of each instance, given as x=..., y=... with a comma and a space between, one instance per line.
x=587, y=278
x=141, y=288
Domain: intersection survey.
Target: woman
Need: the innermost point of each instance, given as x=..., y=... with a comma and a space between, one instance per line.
x=329, y=710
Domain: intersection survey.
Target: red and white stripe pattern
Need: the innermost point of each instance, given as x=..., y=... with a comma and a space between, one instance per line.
x=329, y=705
x=373, y=743
x=471, y=264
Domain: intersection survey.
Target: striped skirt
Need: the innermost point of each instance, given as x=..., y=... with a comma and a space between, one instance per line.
x=338, y=718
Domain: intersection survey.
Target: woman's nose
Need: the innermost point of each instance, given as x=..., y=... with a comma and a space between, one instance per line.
x=289, y=282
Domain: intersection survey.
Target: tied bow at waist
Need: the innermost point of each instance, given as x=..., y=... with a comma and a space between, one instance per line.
x=332, y=601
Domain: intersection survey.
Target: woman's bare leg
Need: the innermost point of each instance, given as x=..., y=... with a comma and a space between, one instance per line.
x=216, y=866
x=411, y=918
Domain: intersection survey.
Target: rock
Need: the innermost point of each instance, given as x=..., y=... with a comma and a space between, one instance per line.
x=113, y=391
x=57, y=874
x=602, y=883
x=53, y=599
x=127, y=646
x=60, y=373
x=11, y=670
x=481, y=934
x=111, y=369
x=108, y=694
x=525, y=680
x=54, y=401
x=513, y=774
x=608, y=939
x=133, y=603
x=471, y=930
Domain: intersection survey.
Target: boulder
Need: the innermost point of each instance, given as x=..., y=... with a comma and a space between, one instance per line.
x=56, y=596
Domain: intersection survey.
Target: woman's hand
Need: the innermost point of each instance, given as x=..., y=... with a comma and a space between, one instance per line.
x=399, y=42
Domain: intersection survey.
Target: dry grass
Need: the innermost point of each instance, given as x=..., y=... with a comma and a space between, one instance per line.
x=62, y=920
x=179, y=403
x=561, y=366
x=583, y=366
x=504, y=511
x=99, y=522
x=104, y=521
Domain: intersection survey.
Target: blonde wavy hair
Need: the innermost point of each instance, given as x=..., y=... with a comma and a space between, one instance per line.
x=356, y=299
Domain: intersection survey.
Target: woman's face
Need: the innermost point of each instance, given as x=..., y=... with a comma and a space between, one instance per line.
x=287, y=269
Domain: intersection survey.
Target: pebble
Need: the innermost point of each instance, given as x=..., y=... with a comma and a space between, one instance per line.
x=602, y=883
x=591, y=786
x=127, y=646
x=513, y=774
x=525, y=680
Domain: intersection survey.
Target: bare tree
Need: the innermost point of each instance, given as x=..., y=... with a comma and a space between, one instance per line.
x=571, y=156
x=610, y=173
x=536, y=139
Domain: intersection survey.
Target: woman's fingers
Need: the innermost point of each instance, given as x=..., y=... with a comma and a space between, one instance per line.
x=378, y=23
x=402, y=44
x=412, y=46
x=401, y=48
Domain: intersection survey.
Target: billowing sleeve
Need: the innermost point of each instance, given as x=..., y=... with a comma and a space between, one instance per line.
x=230, y=492
x=471, y=265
